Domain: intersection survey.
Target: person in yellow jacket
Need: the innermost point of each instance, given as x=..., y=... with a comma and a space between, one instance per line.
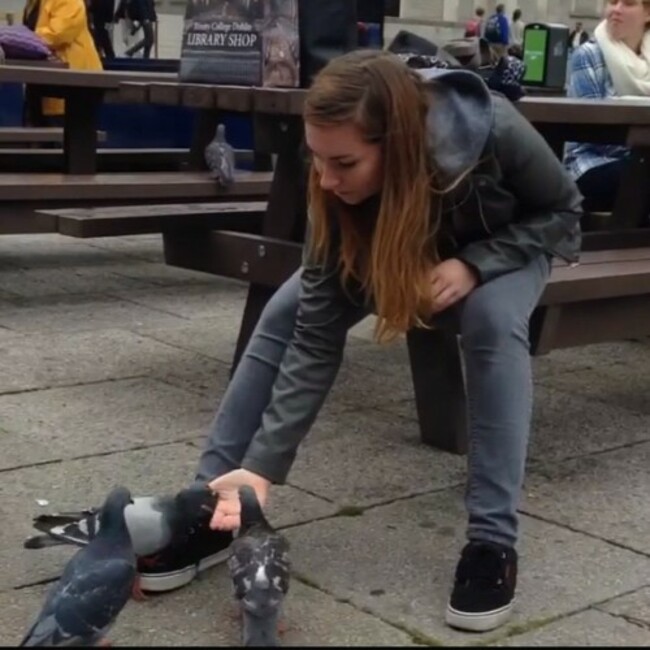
x=63, y=25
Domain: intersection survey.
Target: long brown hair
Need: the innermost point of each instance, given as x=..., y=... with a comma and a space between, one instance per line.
x=386, y=100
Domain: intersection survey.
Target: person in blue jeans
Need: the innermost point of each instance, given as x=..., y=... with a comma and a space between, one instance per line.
x=426, y=198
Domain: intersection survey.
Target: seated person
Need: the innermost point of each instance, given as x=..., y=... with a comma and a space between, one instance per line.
x=616, y=63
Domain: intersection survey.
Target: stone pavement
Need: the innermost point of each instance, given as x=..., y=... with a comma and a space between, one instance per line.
x=113, y=364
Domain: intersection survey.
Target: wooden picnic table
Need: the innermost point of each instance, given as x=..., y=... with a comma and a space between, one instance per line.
x=83, y=92
x=607, y=121
x=276, y=113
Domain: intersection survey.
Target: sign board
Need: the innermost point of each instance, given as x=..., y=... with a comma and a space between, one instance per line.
x=241, y=42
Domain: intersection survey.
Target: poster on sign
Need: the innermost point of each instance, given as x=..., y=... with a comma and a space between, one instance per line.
x=241, y=42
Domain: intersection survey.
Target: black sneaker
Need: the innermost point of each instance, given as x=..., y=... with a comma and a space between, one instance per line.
x=176, y=566
x=484, y=590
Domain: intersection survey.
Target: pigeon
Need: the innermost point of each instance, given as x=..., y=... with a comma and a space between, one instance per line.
x=259, y=567
x=153, y=522
x=94, y=587
x=220, y=158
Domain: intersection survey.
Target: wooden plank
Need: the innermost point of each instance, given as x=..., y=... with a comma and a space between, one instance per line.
x=285, y=101
x=234, y=98
x=140, y=219
x=613, y=319
x=253, y=258
x=128, y=186
x=584, y=111
x=198, y=96
x=21, y=134
x=597, y=281
x=134, y=92
x=104, y=79
x=168, y=94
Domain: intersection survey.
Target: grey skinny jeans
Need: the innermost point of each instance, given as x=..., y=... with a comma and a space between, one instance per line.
x=494, y=333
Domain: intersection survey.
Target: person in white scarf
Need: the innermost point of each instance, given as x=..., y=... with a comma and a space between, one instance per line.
x=614, y=64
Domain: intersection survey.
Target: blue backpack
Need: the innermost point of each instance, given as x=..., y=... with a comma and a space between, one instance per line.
x=492, y=32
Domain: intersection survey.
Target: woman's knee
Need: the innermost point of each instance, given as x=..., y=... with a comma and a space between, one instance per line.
x=492, y=323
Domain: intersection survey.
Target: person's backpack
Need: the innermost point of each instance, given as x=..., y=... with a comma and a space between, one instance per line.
x=492, y=32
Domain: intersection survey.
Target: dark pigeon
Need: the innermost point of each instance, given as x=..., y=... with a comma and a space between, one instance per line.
x=220, y=158
x=259, y=566
x=95, y=585
x=153, y=522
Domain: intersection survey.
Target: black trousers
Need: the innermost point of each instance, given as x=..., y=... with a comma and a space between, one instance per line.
x=146, y=43
x=600, y=186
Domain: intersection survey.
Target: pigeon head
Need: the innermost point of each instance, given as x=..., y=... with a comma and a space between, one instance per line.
x=195, y=503
x=220, y=134
x=112, y=514
x=251, y=511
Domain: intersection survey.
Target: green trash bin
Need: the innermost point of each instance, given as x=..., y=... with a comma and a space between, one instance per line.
x=545, y=55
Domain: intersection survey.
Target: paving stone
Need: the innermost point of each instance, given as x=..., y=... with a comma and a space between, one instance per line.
x=363, y=458
x=588, y=357
x=214, y=337
x=78, y=313
x=203, y=301
x=161, y=274
x=68, y=358
x=634, y=607
x=622, y=385
x=398, y=560
x=78, y=484
x=201, y=615
x=564, y=425
x=62, y=423
x=39, y=283
x=586, y=629
x=53, y=251
x=604, y=494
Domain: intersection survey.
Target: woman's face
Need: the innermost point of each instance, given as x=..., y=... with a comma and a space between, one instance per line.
x=626, y=19
x=347, y=165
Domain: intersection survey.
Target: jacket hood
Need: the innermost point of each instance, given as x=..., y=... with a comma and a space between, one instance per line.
x=459, y=120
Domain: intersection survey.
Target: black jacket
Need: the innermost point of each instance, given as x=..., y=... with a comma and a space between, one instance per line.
x=517, y=203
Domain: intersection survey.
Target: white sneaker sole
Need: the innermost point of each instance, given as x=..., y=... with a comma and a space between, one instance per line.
x=181, y=577
x=478, y=622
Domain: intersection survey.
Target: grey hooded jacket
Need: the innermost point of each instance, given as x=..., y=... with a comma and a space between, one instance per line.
x=518, y=202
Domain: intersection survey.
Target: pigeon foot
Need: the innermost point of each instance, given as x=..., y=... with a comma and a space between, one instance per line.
x=137, y=593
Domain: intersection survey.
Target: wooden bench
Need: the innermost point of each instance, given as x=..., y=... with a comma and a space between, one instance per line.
x=605, y=298
x=10, y=135
x=109, y=160
x=27, y=200
x=114, y=221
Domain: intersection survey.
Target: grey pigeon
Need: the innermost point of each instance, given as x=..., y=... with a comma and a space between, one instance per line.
x=153, y=522
x=220, y=158
x=95, y=585
x=259, y=567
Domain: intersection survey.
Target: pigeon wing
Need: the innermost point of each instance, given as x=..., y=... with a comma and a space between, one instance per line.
x=84, y=604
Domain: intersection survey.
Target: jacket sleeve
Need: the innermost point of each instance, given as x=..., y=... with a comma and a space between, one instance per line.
x=550, y=202
x=307, y=372
x=66, y=21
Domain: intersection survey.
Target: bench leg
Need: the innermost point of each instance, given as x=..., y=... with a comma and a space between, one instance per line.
x=436, y=369
x=80, y=132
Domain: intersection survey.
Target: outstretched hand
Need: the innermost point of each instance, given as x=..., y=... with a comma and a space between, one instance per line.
x=227, y=513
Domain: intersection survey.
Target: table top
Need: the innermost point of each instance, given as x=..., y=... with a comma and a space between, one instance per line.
x=55, y=76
